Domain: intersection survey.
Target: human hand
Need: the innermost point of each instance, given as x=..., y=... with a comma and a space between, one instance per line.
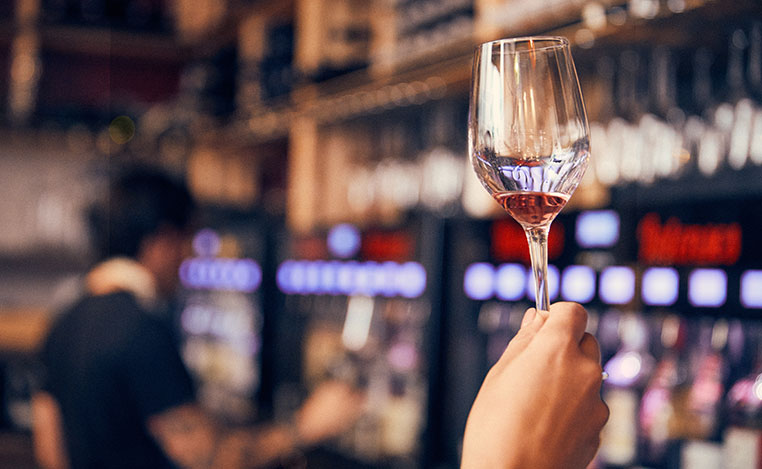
x=329, y=411
x=540, y=406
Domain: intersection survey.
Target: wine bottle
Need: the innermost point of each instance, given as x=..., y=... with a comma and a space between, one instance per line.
x=656, y=406
x=743, y=436
x=701, y=448
x=627, y=371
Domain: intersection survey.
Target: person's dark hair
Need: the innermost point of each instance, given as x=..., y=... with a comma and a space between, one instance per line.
x=140, y=202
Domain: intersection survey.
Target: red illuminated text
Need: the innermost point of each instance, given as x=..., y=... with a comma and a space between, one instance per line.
x=676, y=243
x=387, y=246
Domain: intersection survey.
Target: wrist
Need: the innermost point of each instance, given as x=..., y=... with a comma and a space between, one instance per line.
x=294, y=456
x=294, y=433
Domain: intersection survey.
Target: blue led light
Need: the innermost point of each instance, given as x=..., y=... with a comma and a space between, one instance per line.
x=578, y=283
x=411, y=280
x=510, y=280
x=362, y=280
x=344, y=240
x=660, y=286
x=375, y=278
x=351, y=278
x=751, y=289
x=479, y=281
x=597, y=229
x=327, y=282
x=553, y=281
x=382, y=278
x=242, y=275
x=283, y=277
x=617, y=285
x=385, y=274
x=299, y=277
x=247, y=275
x=206, y=243
x=311, y=278
x=345, y=277
x=707, y=287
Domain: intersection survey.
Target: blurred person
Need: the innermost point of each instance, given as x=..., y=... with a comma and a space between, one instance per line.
x=540, y=405
x=115, y=392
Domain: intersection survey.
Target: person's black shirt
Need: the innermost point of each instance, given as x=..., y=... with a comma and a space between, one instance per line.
x=111, y=366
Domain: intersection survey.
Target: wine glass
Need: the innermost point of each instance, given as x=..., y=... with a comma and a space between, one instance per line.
x=528, y=135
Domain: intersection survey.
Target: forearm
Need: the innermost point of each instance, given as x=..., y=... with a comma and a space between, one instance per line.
x=47, y=433
x=255, y=447
x=193, y=440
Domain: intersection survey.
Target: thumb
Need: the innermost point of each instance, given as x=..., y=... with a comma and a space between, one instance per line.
x=528, y=317
x=531, y=323
x=534, y=319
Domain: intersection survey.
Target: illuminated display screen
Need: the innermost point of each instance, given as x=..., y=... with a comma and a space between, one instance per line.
x=553, y=281
x=660, y=286
x=578, y=283
x=509, y=281
x=479, y=281
x=751, y=289
x=351, y=278
x=707, y=287
x=597, y=229
x=617, y=285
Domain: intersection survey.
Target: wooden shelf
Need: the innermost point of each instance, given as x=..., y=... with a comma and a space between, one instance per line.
x=22, y=330
x=311, y=111
x=446, y=72
x=105, y=42
x=44, y=261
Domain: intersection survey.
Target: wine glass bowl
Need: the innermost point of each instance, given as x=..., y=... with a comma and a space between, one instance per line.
x=528, y=134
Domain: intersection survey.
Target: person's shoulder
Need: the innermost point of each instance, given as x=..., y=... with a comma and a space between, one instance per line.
x=120, y=311
x=119, y=300
x=126, y=313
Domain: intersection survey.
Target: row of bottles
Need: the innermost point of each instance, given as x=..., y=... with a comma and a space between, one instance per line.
x=662, y=113
x=683, y=392
x=334, y=37
x=276, y=74
x=423, y=27
x=418, y=162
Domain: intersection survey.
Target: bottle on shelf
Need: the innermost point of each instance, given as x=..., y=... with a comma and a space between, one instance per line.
x=656, y=412
x=628, y=370
x=742, y=439
x=699, y=408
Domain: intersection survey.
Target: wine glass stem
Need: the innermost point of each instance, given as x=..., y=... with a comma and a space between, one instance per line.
x=538, y=253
